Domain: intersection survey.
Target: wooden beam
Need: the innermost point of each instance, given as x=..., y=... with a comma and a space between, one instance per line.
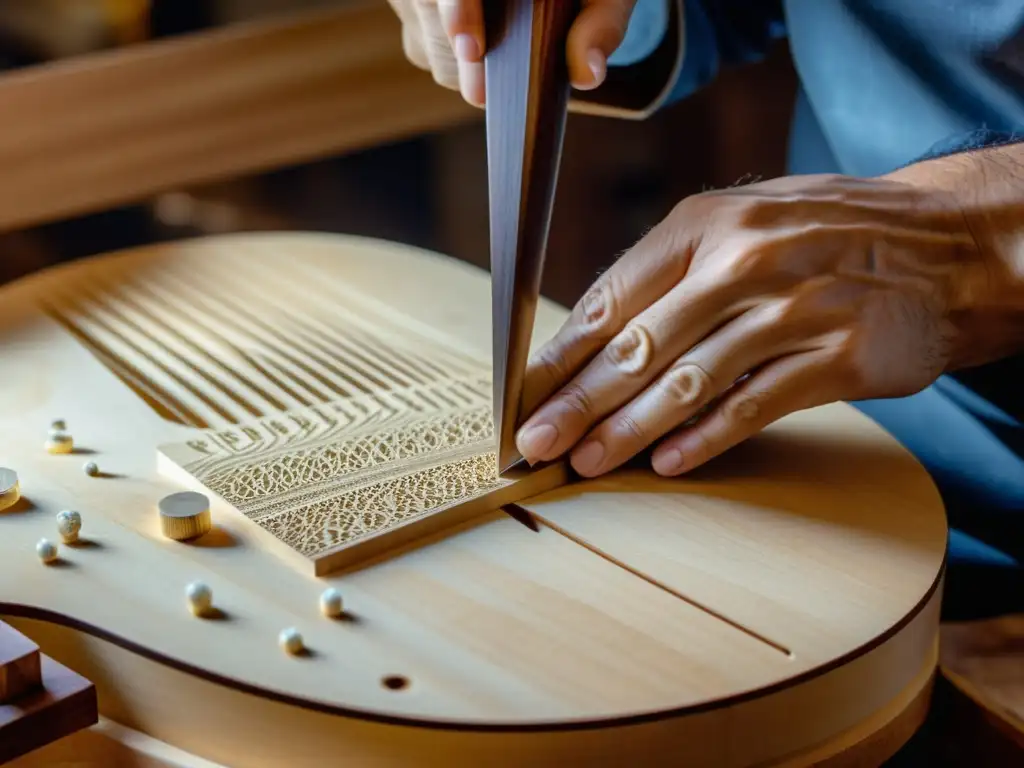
x=101, y=130
x=51, y=702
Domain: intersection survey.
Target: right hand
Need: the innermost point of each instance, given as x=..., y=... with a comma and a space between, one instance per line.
x=446, y=38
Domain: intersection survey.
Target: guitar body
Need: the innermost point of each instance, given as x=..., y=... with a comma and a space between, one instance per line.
x=779, y=607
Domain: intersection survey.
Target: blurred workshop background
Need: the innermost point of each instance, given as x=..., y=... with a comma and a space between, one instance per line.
x=101, y=147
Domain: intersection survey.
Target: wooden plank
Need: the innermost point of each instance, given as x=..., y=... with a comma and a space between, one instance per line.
x=115, y=127
x=19, y=664
x=109, y=744
x=65, y=704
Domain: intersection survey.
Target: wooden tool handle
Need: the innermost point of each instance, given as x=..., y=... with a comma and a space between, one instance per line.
x=527, y=84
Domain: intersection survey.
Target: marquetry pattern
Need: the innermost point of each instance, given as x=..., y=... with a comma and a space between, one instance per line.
x=330, y=475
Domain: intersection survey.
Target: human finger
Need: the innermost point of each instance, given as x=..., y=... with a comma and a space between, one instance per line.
x=595, y=34
x=787, y=385
x=436, y=44
x=645, y=273
x=629, y=362
x=463, y=22
x=696, y=378
x=412, y=36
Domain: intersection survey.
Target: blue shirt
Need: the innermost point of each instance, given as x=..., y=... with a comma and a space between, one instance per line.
x=883, y=82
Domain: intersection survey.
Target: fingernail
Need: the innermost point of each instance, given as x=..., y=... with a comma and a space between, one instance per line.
x=668, y=462
x=535, y=442
x=587, y=459
x=466, y=48
x=598, y=66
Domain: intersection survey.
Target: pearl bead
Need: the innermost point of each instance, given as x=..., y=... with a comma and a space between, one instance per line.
x=46, y=550
x=91, y=469
x=331, y=604
x=290, y=640
x=69, y=523
x=10, y=488
x=59, y=442
x=200, y=597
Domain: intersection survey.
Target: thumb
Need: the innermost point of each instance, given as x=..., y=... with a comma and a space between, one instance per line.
x=596, y=33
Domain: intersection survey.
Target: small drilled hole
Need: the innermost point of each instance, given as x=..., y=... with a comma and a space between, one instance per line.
x=395, y=682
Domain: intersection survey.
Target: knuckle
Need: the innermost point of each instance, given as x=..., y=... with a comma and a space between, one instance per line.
x=631, y=350
x=413, y=49
x=744, y=408
x=692, y=205
x=749, y=263
x=782, y=312
x=552, y=361
x=576, y=398
x=626, y=425
x=597, y=308
x=687, y=384
x=446, y=77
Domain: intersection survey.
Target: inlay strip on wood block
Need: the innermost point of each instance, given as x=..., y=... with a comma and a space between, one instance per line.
x=383, y=469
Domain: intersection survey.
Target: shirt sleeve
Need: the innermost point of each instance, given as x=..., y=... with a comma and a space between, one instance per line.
x=723, y=33
x=981, y=138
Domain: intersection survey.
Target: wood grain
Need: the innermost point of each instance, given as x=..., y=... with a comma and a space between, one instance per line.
x=110, y=745
x=527, y=81
x=764, y=609
x=118, y=126
x=214, y=722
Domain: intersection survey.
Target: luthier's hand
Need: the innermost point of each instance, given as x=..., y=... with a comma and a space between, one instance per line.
x=446, y=38
x=815, y=288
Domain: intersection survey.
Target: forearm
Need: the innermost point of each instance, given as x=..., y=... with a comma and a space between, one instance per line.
x=985, y=185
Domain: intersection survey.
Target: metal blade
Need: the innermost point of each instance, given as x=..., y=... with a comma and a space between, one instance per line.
x=527, y=86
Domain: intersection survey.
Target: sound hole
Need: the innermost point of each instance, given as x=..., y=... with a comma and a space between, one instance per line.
x=395, y=682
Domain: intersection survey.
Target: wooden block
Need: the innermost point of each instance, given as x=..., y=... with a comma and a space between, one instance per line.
x=108, y=744
x=184, y=515
x=373, y=473
x=404, y=448
x=66, y=703
x=10, y=488
x=19, y=664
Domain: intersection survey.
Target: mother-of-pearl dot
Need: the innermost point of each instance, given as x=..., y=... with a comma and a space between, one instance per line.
x=59, y=442
x=46, y=550
x=10, y=488
x=331, y=604
x=290, y=640
x=69, y=523
x=200, y=597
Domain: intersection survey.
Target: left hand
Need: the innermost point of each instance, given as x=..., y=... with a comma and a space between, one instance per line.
x=814, y=288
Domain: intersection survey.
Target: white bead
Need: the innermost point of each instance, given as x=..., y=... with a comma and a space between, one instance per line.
x=200, y=598
x=90, y=468
x=331, y=603
x=46, y=550
x=290, y=640
x=59, y=442
x=68, y=525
